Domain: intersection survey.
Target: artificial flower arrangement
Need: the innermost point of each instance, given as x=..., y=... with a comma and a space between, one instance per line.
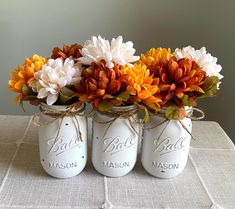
x=108, y=74
x=101, y=73
x=49, y=80
x=160, y=79
x=183, y=76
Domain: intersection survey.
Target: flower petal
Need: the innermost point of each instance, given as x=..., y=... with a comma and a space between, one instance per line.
x=51, y=99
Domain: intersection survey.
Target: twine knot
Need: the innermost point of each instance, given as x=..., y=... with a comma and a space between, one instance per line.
x=128, y=114
x=189, y=114
x=70, y=111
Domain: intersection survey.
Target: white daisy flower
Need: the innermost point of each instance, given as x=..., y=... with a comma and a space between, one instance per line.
x=98, y=49
x=55, y=75
x=205, y=61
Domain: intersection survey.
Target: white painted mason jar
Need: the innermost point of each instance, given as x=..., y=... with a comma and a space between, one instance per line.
x=165, y=147
x=63, y=151
x=115, y=142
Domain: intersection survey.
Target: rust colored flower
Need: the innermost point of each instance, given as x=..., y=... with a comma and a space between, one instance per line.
x=180, y=81
x=23, y=74
x=100, y=84
x=141, y=85
x=67, y=51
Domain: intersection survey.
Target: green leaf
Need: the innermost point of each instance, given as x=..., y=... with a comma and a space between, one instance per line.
x=210, y=86
x=185, y=100
x=105, y=105
x=172, y=113
x=212, y=91
x=146, y=115
x=124, y=96
x=65, y=100
x=67, y=92
x=26, y=90
x=209, y=82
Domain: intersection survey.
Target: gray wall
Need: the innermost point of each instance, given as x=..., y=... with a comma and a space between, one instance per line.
x=28, y=27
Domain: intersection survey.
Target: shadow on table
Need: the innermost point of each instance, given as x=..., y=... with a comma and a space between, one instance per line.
x=27, y=163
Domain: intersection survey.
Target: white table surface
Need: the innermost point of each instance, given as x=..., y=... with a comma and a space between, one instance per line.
x=208, y=180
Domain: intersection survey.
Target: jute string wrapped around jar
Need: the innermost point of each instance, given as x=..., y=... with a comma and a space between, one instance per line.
x=120, y=114
x=189, y=114
x=60, y=114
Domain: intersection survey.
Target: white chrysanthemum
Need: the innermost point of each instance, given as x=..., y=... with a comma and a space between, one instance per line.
x=55, y=74
x=96, y=49
x=205, y=61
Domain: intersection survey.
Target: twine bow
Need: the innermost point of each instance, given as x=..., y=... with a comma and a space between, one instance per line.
x=70, y=111
x=128, y=114
x=189, y=114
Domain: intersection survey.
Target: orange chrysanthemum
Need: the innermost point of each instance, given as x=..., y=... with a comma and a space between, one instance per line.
x=67, y=51
x=100, y=83
x=23, y=74
x=155, y=57
x=179, y=81
x=141, y=85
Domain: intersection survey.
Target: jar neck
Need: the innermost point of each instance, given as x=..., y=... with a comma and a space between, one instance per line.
x=73, y=108
x=161, y=113
x=123, y=111
x=120, y=109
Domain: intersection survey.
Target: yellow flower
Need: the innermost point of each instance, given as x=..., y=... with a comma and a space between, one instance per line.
x=23, y=74
x=155, y=57
x=141, y=84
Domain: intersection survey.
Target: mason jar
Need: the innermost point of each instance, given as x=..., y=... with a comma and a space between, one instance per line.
x=115, y=141
x=62, y=140
x=165, y=146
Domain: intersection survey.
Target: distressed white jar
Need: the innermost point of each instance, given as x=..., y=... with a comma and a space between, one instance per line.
x=165, y=147
x=63, y=153
x=115, y=143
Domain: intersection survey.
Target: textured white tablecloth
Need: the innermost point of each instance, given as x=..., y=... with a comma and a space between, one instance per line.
x=208, y=180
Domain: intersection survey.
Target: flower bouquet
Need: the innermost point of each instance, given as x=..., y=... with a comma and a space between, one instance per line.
x=118, y=84
x=62, y=125
x=184, y=76
x=48, y=80
x=115, y=127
